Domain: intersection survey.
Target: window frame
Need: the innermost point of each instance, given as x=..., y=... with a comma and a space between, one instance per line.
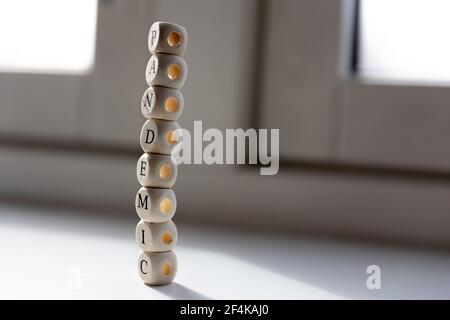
x=336, y=117
x=373, y=127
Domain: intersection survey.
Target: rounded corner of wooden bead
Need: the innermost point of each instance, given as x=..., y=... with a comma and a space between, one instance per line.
x=155, y=204
x=166, y=70
x=160, y=136
x=162, y=103
x=166, y=37
x=156, y=236
x=156, y=170
x=157, y=268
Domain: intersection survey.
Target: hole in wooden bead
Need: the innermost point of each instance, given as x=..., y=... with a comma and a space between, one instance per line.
x=166, y=238
x=173, y=72
x=165, y=206
x=166, y=269
x=171, y=137
x=171, y=104
x=164, y=171
x=174, y=39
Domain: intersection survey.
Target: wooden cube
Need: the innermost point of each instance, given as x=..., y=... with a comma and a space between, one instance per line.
x=166, y=70
x=156, y=237
x=157, y=268
x=162, y=103
x=160, y=136
x=155, y=204
x=165, y=37
x=158, y=171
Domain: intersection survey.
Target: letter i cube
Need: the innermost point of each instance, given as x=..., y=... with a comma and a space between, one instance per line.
x=162, y=104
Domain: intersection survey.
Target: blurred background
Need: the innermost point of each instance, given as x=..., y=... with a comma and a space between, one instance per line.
x=359, y=90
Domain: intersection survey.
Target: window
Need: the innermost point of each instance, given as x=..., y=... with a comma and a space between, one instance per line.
x=47, y=36
x=404, y=40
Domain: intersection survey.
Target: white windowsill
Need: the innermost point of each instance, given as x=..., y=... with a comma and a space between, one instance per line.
x=42, y=249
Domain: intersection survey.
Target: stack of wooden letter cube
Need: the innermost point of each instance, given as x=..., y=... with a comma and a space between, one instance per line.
x=162, y=104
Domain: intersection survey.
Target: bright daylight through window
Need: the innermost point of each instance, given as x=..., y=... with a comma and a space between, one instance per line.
x=47, y=36
x=404, y=40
